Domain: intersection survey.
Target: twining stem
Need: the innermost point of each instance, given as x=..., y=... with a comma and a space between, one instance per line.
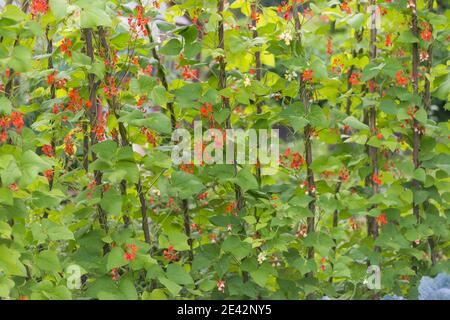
x=359, y=37
x=426, y=98
x=125, y=142
x=415, y=82
x=92, y=114
x=52, y=96
x=427, y=88
x=162, y=77
x=143, y=203
x=226, y=103
x=305, y=96
x=371, y=118
x=112, y=102
x=225, y=100
x=161, y=74
x=187, y=229
x=258, y=75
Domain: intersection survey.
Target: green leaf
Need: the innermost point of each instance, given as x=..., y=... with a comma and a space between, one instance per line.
x=21, y=59
x=159, y=122
x=236, y=247
x=355, y=123
x=407, y=37
x=91, y=17
x=115, y=258
x=48, y=261
x=59, y=8
x=317, y=118
x=105, y=149
x=5, y=230
x=246, y=180
x=173, y=288
x=420, y=175
x=178, y=240
x=188, y=94
x=10, y=263
x=370, y=71
x=185, y=185
x=261, y=276
x=388, y=106
x=421, y=115
x=56, y=232
x=189, y=33
x=6, y=196
x=5, y=106
x=356, y=21
x=298, y=123
x=157, y=294
x=31, y=164
x=177, y=274
x=14, y=13
x=172, y=48
x=112, y=202
x=159, y=95
x=300, y=201
x=5, y=286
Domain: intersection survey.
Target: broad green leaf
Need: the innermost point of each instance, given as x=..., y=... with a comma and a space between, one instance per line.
x=355, y=123
x=5, y=106
x=48, y=260
x=115, y=258
x=13, y=12
x=177, y=274
x=10, y=263
x=173, y=288
x=91, y=17
x=59, y=8
x=171, y=48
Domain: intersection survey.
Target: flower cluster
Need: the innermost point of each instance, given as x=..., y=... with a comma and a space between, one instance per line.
x=39, y=7
x=47, y=150
x=329, y=48
x=188, y=73
x=425, y=33
x=401, y=81
x=296, y=159
x=221, y=286
x=68, y=145
x=109, y=87
x=286, y=36
x=376, y=179
x=388, y=40
x=343, y=174
x=355, y=78
x=65, y=46
x=17, y=120
x=171, y=254
x=381, y=219
x=285, y=9
x=230, y=208
x=130, y=252
x=307, y=75
x=138, y=23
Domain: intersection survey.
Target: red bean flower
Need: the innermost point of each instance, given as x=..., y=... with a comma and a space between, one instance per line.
x=130, y=252
x=47, y=150
x=17, y=120
x=308, y=75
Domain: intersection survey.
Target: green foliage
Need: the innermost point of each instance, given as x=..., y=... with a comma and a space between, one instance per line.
x=86, y=177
